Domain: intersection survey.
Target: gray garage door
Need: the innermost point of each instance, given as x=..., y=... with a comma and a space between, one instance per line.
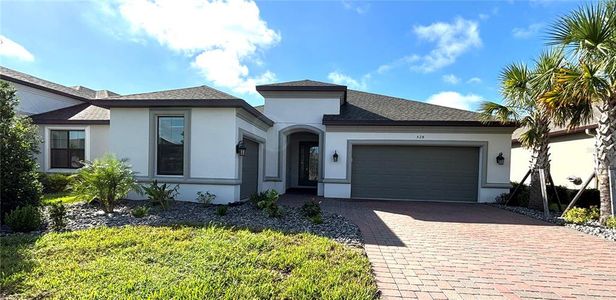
x=415, y=172
x=250, y=169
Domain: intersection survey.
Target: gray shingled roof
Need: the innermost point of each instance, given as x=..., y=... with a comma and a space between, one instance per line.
x=22, y=78
x=192, y=93
x=304, y=83
x=76, y=114
x=374, y=108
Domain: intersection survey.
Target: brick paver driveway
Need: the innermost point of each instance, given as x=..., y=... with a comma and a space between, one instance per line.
x=459, y=251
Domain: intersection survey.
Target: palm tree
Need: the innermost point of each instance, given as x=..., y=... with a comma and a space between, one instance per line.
x=521, y=88
x=588, y=80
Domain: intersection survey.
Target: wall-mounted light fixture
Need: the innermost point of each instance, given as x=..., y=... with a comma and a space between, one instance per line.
x=335, y=156
x=240, y=148
x=500, y=159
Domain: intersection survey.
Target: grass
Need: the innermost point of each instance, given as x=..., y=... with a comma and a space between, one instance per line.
x=63, y=197
x=181, y=263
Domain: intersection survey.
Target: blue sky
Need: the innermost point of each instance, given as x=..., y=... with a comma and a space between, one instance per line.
x=444, y=52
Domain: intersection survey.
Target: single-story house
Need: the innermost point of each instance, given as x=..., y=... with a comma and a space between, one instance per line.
x=571, y=155
x=308, y=136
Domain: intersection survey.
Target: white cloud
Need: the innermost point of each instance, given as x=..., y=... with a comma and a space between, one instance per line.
x=475, y=80
x=356, y=6
x=11, y=49
x=451, y=79
x=524, y=33
x=455, y=100
x=340, y=78
x=451, y=39
x=223, y=38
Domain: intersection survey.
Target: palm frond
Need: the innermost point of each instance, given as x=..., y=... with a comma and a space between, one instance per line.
x=515, y=85
x=491, y=112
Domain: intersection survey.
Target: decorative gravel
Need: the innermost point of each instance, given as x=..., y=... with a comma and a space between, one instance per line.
x=593, y=227
x=245, y=215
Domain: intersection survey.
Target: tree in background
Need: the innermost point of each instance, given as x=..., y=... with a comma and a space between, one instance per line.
x=588, y=80
x=521, y=88
x=19, y=142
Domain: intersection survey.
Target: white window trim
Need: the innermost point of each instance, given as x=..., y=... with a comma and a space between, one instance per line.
x=47, y=147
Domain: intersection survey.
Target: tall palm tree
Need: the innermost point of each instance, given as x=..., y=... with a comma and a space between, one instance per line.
x=521, y=88
x=588, y=34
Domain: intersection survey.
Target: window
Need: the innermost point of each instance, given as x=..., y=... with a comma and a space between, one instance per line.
x=170, y=145
x=67, y=148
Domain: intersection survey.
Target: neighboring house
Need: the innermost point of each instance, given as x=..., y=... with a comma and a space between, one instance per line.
x=308, y=136
x=571, y=156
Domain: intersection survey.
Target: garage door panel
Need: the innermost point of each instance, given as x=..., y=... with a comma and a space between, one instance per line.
x=415, y=172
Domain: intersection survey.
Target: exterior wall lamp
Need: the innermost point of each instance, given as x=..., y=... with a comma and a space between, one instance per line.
x=500, y=159
x=240, y=148
x=335, y=156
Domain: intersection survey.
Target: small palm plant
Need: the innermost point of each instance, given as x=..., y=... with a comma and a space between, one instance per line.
x=107, y=180
x=521, y=88
x=589, y=81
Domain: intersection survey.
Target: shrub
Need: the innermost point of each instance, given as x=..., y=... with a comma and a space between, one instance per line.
x=107, y=180
x=140, y=211
x=19, y=144
x=161, y=194
x=54, y=183
x=580, y=215
x=311, y=208
x=611, y=222
x=267, y=201
x=221, y=210
x=316, y=219
x=57, y=216
x=24, y=219
x=206, y=198
x=521, y=197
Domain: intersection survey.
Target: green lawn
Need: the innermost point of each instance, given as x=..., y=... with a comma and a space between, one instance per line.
x=64, y=197
x=182, y=263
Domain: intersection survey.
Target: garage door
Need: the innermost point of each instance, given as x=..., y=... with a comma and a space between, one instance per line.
x=415, y=172
x=250, y=169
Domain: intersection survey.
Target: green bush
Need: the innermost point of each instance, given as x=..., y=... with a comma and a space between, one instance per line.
x=267, y=201
x=54, y=183
x=161, y=194
x=221, y=210
x=206, y=198
x=19, y=144
x=611, y=222
x=24, y=219
x=57, y=216
x=140, y=211
x=316, y=219
x=311, y=208
x=107, y=180
x=521, y=197
x=580, y=215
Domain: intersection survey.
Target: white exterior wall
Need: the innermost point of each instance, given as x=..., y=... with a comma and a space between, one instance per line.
x=571, y=155
x=34, y=101
x=213, y=163
x=286, y=113
x=129, y=134
x=96, y=144
x=496, y=143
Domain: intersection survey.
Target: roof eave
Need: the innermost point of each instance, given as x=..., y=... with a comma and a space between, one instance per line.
x=416, y=123
x=44, y=88
x=265, y=88
x=70, y=122
x=219, y=103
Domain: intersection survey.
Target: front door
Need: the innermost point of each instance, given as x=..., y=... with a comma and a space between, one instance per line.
x=308, y=163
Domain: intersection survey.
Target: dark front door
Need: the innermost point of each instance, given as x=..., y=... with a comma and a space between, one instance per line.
x=308, y=163
x=250, y=170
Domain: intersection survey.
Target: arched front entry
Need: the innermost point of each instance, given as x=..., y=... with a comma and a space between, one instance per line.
x=302, y=156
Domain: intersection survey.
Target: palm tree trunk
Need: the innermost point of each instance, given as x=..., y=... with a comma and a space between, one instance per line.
x=540, y=160
x=605, y=140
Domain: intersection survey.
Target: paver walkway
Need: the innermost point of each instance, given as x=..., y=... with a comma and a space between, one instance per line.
x=472, y=251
